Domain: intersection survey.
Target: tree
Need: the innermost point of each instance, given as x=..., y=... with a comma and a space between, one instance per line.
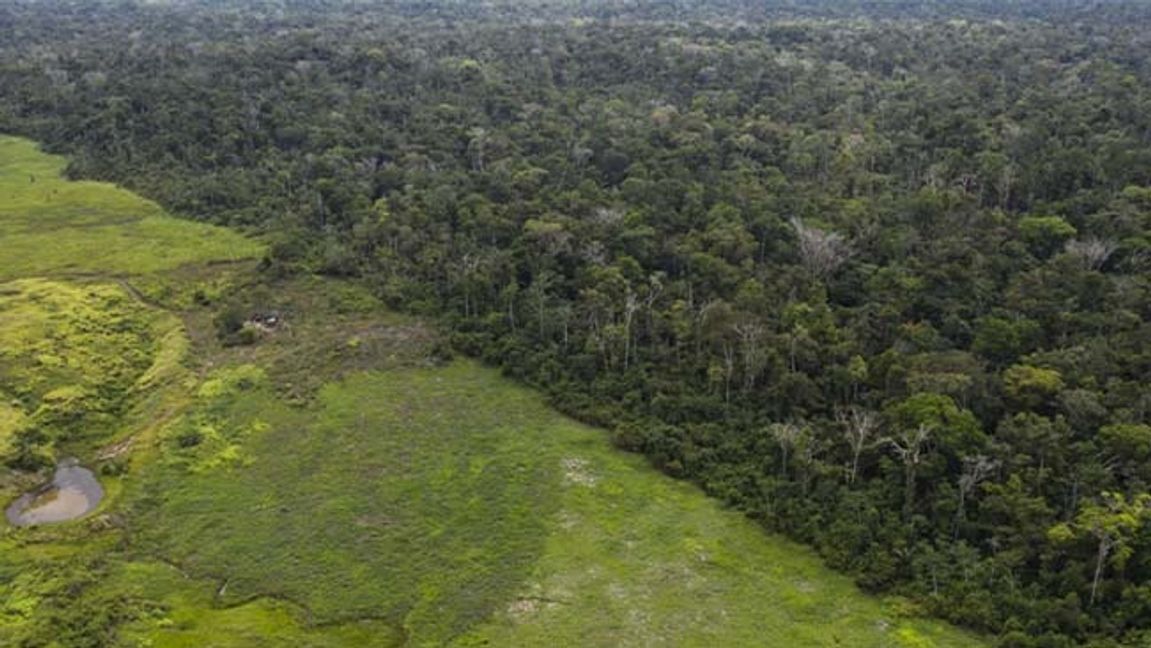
x=822, y=253
x=478, y=142
x=1110, y=521
x=1093, y=253
x=1031, y=386
x=954, y=430
x=1045, y=234
x=788, y=436
x=860, y=428
x=910, y=445
x=976, y=468
x=1003, y=340
x=751, y=336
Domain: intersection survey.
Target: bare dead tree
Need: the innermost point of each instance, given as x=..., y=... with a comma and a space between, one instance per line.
x=809, y=446
x=860, y=427
x=580, y=154
x=594, y=253
x=1004, y=184
x=728, y=369
x=910, y=446
x=610, y=216
x=630, y=307
x=976, y=469
x=788, y=436
x=822, y=252
x=703, y=318
x=1093, y=253
x=654, y=291
x=477, y=147
x=635, y=302
x=465, y=270
x=751, y=335
x=539, y=290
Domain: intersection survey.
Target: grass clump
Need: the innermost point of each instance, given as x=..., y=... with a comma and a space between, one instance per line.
x=208, y=438
x=12, y=418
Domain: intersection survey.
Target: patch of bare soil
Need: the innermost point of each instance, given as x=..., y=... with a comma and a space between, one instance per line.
x=578, y=471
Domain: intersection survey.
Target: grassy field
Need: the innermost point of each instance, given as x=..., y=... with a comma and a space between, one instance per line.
x=87, y=368
x=458, y=508
x=52, y=226
x=76, y=343
x=69, y=358
x=341, y=482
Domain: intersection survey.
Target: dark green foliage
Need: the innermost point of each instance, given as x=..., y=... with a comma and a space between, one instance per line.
x=229, y=321
x=232, y=327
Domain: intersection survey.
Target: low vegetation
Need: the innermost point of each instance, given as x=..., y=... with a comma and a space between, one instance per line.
x=78, y=342
x=458, y=508
x=70, y=356
x=52, y=226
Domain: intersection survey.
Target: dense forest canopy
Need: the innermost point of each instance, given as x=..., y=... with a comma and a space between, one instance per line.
x=874, y=273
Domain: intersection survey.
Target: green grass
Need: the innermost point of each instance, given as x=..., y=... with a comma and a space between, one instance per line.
x=84, y=361
x=196, y=620
x=52, y=226
x=12, y=418
x=73, y=343
x=69, y=358
x=384, y=499
x=457, y=507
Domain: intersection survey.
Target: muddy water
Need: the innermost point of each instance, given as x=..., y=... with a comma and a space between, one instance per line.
x=74, y=491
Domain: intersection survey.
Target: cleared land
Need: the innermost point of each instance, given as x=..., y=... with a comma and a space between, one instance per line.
x=342, y=483
x=457, y=507
x=54, y=226
x=76, y=343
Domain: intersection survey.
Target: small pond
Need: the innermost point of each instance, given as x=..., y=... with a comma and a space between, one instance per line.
x=73, y=492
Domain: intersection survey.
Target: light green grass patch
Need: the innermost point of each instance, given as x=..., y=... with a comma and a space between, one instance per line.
x=12, y=418
x=70, y=354
x=50, y=225
x=385, y=499
x=637, y=559
x=172, y=349
x=206, y=438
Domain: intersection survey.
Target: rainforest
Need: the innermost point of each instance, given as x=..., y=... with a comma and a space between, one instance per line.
x=575, y=323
